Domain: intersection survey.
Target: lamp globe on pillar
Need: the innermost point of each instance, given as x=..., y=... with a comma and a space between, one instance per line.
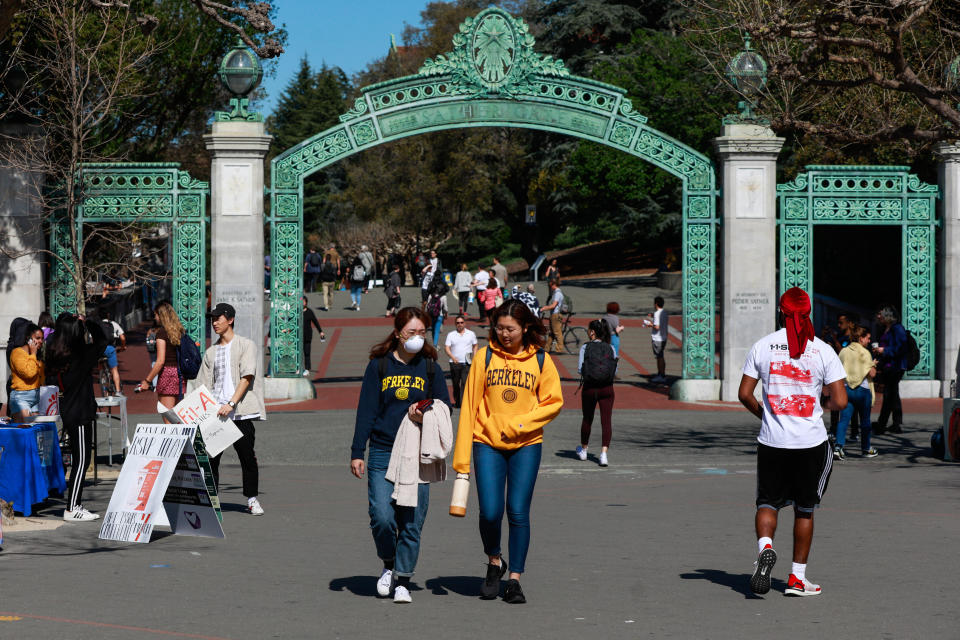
x=240, y=73
x=747, y=72
x=951, y=77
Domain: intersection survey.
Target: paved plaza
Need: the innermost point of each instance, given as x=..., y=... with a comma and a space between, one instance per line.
x=658, y=545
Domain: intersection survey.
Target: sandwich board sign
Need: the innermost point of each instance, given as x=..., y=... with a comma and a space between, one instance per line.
x=160, y=484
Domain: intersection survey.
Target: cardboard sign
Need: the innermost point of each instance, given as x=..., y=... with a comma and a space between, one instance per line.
x=49, y=400
x=137, y=501
x=203, y=459
x=188, y=506
x=200, y=409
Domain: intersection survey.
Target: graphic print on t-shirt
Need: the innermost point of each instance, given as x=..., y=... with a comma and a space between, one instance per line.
x=798, y=404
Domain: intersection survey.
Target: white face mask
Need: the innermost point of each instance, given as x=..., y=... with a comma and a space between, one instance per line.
x=413, y=344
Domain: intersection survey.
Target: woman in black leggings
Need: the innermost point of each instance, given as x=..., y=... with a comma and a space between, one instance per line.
x=597, y=386
x=69, y=361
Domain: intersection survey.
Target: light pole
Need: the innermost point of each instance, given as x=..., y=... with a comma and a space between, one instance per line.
x=240, y=73
x=747, y=72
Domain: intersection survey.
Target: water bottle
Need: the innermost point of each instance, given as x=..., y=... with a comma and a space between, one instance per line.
x=461, y=489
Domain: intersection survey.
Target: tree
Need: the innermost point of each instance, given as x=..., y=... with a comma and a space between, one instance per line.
x=257, y=16
x=862, y=72
x=84, y=64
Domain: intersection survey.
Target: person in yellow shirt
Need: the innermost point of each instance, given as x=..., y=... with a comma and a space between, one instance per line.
x=26, y=376
x=512, y=392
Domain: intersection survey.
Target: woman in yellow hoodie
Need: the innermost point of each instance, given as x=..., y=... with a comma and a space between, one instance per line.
x=26, y=375
x=512, y=392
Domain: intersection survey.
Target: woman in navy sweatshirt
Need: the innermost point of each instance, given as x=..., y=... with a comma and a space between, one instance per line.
x=402, y=371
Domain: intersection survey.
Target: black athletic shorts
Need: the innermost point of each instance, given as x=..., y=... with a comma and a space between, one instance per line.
x=793, y=476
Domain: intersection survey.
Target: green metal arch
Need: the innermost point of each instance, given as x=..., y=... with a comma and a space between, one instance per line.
x=521, y=89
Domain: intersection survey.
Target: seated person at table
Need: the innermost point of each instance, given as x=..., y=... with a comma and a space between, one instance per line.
x=26, y=376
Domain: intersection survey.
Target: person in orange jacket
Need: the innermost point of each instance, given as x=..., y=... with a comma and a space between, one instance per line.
x=512, y=392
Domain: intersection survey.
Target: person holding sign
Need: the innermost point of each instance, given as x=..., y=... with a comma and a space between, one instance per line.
x=512, y=392
x=69, y=358
x=402, y=372
x=230, y=369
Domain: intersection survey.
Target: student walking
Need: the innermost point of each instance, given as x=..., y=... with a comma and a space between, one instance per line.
x=309, y=322
x=461, y=284
x=358, y=277
x=312, y=263
x=166, y=369
x=392, y=290
x=861, y=368
x=892, y=350
x=658, y=321
x=613, y=324
x=793, y=455
x=512, y=393
x=402, y=371
x=26, y=376
x=480, y=281
x=231, y=369
x=461, y=347
x=597, y=367
x=72, y=352
x=552, y=310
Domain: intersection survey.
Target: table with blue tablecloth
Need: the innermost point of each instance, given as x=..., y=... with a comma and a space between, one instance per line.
x=30, y=464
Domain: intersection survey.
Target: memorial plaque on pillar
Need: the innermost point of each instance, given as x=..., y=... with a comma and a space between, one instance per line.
x=247, y=302
x=750, y=188
x=237, y=179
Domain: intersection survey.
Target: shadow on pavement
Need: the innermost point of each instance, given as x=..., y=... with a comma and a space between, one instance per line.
x=461, y=585
x=739, y=582
x=362, y=585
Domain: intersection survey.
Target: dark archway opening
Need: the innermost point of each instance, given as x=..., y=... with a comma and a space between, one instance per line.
x=857, y=269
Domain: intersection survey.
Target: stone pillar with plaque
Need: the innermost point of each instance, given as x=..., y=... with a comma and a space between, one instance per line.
x=238, y=149
x=748, y=291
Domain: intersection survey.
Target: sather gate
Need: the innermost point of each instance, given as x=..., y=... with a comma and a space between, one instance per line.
x=494, y=78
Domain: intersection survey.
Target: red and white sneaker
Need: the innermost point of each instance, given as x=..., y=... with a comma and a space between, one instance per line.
x=760, y=580
x=797, y=587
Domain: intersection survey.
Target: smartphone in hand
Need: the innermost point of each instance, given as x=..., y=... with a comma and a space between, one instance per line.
x=423, y=405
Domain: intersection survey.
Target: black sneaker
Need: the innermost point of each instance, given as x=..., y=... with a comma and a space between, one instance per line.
x=895, y=428
x=513, y=594
x=490, y=588
x=760, y=580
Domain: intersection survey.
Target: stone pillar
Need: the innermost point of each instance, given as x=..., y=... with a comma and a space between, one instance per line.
x=948, y=267
x=238, y=150
x=748, y=289
x=22, y=257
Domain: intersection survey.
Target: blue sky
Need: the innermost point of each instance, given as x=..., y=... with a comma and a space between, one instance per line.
x=341, y=33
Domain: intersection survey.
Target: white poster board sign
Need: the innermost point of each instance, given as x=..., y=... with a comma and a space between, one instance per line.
x=49, y=400
x=189, y=508
x=200, y=409
x=137, y=501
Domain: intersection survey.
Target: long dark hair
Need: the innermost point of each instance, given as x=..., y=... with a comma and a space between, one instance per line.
x=392, y=341
x=533, y=331
x=600, y=329
x=67, y=341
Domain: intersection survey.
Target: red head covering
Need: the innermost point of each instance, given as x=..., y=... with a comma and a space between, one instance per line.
x=795, y=304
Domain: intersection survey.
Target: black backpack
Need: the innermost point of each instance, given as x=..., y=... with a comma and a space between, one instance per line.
x=188, y=358
x=599, y=366
x=913, y=352
x=313, y=259
x=328, y=271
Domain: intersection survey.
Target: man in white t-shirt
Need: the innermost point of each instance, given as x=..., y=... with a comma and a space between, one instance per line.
x=794, y=458
x=554, y=310
x=659, y=323
x=461, y=346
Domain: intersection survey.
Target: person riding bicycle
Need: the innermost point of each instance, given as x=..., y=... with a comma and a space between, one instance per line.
x=554, y=310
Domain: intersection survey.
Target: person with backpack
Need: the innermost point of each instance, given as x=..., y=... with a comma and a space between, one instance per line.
x=329, y=272
x=232, y=370
x=436, y=307
x=72, y=352
x=171, y=383
x=892, y=349
x=392, y=290
x=402, y=372
x=358, y=278
x=311, y=267
x=597, y=367
x=512, y=393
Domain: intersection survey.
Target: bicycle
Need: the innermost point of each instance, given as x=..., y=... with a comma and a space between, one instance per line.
x=573, y=337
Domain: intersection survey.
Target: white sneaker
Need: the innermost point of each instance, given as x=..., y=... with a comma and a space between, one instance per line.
x=603, y=459
x=581, y=453
x=385, y=583
x=80, y=515
x=797, y=587
x=254, y=508
x=401, y=595
x=306, y=374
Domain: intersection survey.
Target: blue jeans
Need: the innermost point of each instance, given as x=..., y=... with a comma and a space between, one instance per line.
x=615, y=343
x=396, y=530
x=516, y=471
x=356, y=290
x=857, y=399
x=24, y=401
